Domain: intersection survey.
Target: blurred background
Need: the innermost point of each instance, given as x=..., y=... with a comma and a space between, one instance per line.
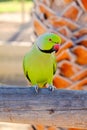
x=21, y=21
x=16, y=36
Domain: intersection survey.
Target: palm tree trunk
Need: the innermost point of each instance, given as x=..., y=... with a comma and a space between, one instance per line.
x=67, y=18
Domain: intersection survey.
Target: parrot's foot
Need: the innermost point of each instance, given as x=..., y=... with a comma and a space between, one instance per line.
x=36, y=88
x=51, y=87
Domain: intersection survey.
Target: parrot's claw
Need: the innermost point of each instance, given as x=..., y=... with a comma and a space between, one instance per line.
x=36, y=88
x=51, y=87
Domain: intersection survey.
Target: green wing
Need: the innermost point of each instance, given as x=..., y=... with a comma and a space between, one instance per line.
x=25, y=71
x=54, y=64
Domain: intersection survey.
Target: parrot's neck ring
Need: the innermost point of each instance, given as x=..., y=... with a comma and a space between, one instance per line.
x=46, y=51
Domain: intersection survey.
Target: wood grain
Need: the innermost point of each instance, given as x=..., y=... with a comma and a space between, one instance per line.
x=66, y=108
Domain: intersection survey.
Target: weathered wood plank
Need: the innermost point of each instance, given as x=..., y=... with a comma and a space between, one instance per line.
x=61, y=108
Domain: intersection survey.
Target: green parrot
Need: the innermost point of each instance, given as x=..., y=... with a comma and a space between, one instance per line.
x=39, y=63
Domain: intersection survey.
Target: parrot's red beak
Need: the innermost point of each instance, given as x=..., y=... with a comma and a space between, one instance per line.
x=56, y=47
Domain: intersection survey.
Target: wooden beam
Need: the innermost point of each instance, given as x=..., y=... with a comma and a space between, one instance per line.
x=60, y=108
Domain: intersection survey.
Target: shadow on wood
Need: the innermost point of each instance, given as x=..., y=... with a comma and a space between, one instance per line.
x=66, y=108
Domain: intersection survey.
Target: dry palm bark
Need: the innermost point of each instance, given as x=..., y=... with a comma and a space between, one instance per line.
x=67, y=18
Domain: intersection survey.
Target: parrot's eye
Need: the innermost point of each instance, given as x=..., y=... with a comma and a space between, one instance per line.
x=50, y=39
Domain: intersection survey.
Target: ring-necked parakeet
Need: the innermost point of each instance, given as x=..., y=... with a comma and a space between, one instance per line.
x=39, y=63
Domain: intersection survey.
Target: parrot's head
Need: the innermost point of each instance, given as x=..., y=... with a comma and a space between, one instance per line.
x=48, y=42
